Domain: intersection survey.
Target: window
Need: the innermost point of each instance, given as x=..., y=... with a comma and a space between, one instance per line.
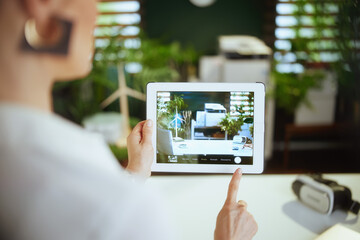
x=118, y=18
x=242, y=103
x=305, y=34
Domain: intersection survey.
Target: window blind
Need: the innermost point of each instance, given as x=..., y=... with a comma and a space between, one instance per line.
x=305, y=34
x=242, y=103
x=121, y=18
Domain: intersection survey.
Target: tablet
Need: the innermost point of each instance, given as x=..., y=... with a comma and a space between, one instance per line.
x=207, y=127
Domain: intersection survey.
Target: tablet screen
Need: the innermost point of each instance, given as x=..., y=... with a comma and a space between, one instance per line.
x=205, y=127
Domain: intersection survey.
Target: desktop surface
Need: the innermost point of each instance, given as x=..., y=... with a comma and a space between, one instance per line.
x=195, y=200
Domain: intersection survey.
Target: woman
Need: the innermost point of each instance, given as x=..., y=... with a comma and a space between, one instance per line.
x=56, y=180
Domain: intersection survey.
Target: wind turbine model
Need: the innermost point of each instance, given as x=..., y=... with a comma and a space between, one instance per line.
x=176, y=119
x=122, y=93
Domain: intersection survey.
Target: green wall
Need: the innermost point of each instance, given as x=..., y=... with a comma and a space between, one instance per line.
x=181, y=21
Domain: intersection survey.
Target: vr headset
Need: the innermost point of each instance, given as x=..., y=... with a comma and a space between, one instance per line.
x=323, y=195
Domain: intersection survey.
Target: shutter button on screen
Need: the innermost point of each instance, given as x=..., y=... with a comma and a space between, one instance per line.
x=237, y=160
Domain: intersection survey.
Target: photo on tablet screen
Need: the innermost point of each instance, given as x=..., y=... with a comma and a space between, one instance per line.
x=205, y=127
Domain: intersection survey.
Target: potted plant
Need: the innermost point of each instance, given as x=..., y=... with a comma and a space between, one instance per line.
x=160, y=62
x=292, y=88
x=302, y=92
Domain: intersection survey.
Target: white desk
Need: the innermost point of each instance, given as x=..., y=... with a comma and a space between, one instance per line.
x=195, y=201
x=209, y=147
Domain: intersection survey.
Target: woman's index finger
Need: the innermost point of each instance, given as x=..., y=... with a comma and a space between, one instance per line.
x=233, y=187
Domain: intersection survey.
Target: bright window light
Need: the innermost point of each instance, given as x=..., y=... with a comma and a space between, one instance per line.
x=132, y=43
x=283, y=45
x=130, y=6
x=133, y=67
x=131, y=30
x=284, y=33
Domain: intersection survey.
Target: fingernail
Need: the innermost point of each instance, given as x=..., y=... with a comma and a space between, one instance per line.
x=239, y=171
x=149, y=123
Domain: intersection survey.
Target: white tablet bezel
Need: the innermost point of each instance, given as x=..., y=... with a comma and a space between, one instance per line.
x=259, y=111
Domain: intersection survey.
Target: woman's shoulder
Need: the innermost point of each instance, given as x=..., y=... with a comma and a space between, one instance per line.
x=46, y=139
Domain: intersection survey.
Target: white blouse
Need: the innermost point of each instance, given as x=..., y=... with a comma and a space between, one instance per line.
x=59, y=182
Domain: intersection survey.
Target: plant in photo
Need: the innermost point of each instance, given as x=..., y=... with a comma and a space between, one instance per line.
x=232, y=125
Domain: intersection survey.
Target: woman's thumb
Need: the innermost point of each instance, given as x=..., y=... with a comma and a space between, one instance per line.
x=147, y=131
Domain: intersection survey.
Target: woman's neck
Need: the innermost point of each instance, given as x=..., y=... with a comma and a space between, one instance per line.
x=24, y=81
x=24, y=78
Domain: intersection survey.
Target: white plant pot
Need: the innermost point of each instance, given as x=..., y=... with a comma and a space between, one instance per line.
x=109, y=125
x=323, y=104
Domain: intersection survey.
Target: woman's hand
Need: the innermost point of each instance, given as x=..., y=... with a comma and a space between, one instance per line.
x=234, y=221
x=140, y=149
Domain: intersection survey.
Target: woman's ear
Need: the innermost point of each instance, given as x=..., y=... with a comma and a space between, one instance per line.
x=40, y=11
x=44, y=31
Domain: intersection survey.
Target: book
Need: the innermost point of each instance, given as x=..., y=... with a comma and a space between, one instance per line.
x=339, y=232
